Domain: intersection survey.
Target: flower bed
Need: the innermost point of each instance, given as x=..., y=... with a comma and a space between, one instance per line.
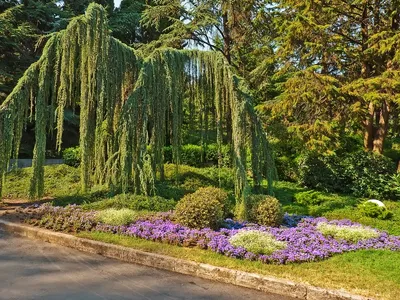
x=304, y=242
x=301, y=235
x=68, y=219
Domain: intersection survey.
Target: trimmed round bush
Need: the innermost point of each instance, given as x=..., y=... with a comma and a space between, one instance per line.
x=351, y=234
x=257, y=242
x=219, y=194
x=202, y=209
x=265, y=210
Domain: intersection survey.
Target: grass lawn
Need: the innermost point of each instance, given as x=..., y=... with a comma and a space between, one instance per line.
x=60, y=180
x=63, y=184
x=368, y=272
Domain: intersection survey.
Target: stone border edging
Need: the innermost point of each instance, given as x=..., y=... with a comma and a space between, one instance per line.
x=250, y=280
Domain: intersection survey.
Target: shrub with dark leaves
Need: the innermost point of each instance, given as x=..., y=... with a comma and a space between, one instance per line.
x=360, y=173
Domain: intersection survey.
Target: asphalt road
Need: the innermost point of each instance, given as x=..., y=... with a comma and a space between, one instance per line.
x=35, y=270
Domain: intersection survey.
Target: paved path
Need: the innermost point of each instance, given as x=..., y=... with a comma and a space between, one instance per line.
x=35, y=270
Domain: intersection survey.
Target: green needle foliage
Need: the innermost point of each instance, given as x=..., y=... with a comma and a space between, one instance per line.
x=129, y=106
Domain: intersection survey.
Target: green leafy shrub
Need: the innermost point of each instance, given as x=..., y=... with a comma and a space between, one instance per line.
x=312, y=198
x=112, y=216
x=362, y=174
x=200, y=210
x=219, y=194
x=191, y=155
x=253, y=201
x=351, y=234
x=134, y=202
x=393, y=154
x=265, y=210
x=257, y=242
x=212, y=155
x=392, y=187
x=373, y=210
x=322, y=173
x=369, y=174
x=72, y=156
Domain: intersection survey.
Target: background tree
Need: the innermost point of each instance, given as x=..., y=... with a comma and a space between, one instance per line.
x=351, y=46
x=126, y=26
x=21, y=27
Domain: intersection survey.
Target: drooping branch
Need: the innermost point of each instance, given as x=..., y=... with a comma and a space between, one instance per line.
x=129, y=107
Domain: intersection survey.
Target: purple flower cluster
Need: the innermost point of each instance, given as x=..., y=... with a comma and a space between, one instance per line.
x=69, y=219
x=304, y=242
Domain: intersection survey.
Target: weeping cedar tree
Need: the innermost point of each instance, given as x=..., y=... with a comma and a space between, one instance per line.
x=128, y=106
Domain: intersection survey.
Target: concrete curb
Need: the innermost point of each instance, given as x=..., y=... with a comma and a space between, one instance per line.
x=220, y=274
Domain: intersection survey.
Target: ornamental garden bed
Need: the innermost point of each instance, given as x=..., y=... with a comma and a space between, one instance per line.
x=299, y=239
x=355, y=257
x=313, y=244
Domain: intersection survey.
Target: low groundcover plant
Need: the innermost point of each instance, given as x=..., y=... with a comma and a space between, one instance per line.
x=114, y=216
x=258, y=242
x=352, y=234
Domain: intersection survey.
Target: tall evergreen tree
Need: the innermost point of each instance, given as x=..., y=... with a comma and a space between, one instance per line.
x=21, y=27
x=350, y=49
x=126, y=26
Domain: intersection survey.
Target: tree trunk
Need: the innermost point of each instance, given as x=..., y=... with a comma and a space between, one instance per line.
x=227, y=36
x=369, y=128
x=382, y=118
x=366, y=73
